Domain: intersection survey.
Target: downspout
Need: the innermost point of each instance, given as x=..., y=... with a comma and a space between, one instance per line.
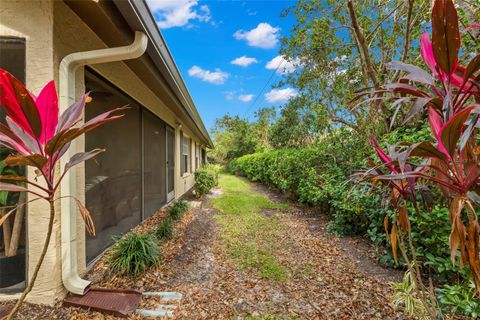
x=68, y=67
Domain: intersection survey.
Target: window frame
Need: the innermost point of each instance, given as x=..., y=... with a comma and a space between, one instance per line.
x=185, y=154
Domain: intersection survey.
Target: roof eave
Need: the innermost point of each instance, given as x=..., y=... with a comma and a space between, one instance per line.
x=138, y=16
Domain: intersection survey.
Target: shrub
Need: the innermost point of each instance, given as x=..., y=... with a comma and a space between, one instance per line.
x=459, y=299
x=206, y=178
x=177, y=209
x=134, y=254
x=164, y=230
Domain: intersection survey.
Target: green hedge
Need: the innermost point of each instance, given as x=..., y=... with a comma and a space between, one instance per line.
x=206, y=178
x=312, y=176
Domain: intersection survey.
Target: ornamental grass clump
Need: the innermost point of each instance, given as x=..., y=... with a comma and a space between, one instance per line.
x=134, y=254
x=164, y=231
x=177, y=209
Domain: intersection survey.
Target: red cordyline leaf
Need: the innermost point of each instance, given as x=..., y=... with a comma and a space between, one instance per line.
x=35, y=130
x=445, y=35
x=382, y=155
x=47, y=104
x=18, y=103
x=426, y=51
x=473, y=26
x=452, y=130
x=435, y=120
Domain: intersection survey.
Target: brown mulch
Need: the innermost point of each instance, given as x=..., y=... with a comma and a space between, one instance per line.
x=330, y=277
x=328, y=280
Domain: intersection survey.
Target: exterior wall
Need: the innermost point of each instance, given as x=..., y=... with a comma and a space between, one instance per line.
x=53, y=31
x=35, y=24
x=184, y=183
x=48, y=40
x=72, y=35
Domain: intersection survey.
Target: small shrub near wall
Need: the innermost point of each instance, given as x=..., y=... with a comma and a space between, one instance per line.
x=177, y=209
x=134, y=254
x=206, y=178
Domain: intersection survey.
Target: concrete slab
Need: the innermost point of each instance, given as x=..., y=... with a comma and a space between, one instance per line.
x=161, y=310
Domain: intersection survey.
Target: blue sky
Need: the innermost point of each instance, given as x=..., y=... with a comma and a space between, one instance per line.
x=227, y=51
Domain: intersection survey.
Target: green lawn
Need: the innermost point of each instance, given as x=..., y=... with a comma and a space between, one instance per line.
x=251, y=239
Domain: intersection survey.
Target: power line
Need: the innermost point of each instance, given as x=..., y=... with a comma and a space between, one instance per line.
x=264, y=87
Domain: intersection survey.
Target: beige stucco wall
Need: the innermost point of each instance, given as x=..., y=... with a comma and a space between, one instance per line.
x=35, y=24
x=53, y=31
x=72, y=35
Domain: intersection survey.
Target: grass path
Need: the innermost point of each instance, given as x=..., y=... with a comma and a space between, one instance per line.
x=250, y=254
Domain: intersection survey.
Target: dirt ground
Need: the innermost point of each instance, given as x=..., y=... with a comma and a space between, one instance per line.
x=333, y=278
x=336, y=278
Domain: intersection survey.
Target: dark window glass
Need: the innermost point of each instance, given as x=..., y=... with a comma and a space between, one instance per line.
x=12, y=274
x=113, y=180
x=186, y=146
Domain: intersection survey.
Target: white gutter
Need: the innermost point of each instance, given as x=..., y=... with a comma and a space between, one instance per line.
x=68, y=67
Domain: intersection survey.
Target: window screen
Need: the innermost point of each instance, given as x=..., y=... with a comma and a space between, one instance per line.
x=186, y=154
x=12, y=59
x=155, y=163
x=113, y=185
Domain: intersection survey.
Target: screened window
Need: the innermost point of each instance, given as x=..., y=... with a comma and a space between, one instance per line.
x=113, y=181
x=12, y=59
x=196, y=155
x=12, y=274
x=185, y=154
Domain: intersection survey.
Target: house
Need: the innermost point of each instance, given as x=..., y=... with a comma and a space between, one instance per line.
x=114, y=50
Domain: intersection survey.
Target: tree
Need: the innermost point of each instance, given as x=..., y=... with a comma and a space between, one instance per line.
x=299, y=124
x=344, y=46
x=233, y=138
x=261, y=128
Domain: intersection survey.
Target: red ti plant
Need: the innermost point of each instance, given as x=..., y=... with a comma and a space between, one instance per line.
x=402, y=188
x=452, y=98
x=39, y=137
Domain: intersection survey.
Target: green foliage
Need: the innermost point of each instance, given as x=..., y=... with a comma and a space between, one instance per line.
x=405, y=295
x=134, y=254
x=164, y=230
x=459, y=299
x=206, y=178
x=9, y=198
x=235, y=137
x=316, y=176
x=177, y=209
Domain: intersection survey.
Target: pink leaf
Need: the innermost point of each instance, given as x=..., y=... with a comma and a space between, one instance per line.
x=426, y=51
x=72, y=115
x=473, y=26
x=435, y=120
x=10, y=102
x=382, y=155
x=47, y=104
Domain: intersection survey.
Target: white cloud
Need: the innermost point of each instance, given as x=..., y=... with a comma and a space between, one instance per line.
x=243, y=61
x=280, y=95
x=282, y=65
x=245, y=97
x=229, y=95
x=178, y=13
x=215, y=77
x=263, y=36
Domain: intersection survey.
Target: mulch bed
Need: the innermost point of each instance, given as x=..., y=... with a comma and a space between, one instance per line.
x=100, y=277
x=327, y=281
x=330, y=277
